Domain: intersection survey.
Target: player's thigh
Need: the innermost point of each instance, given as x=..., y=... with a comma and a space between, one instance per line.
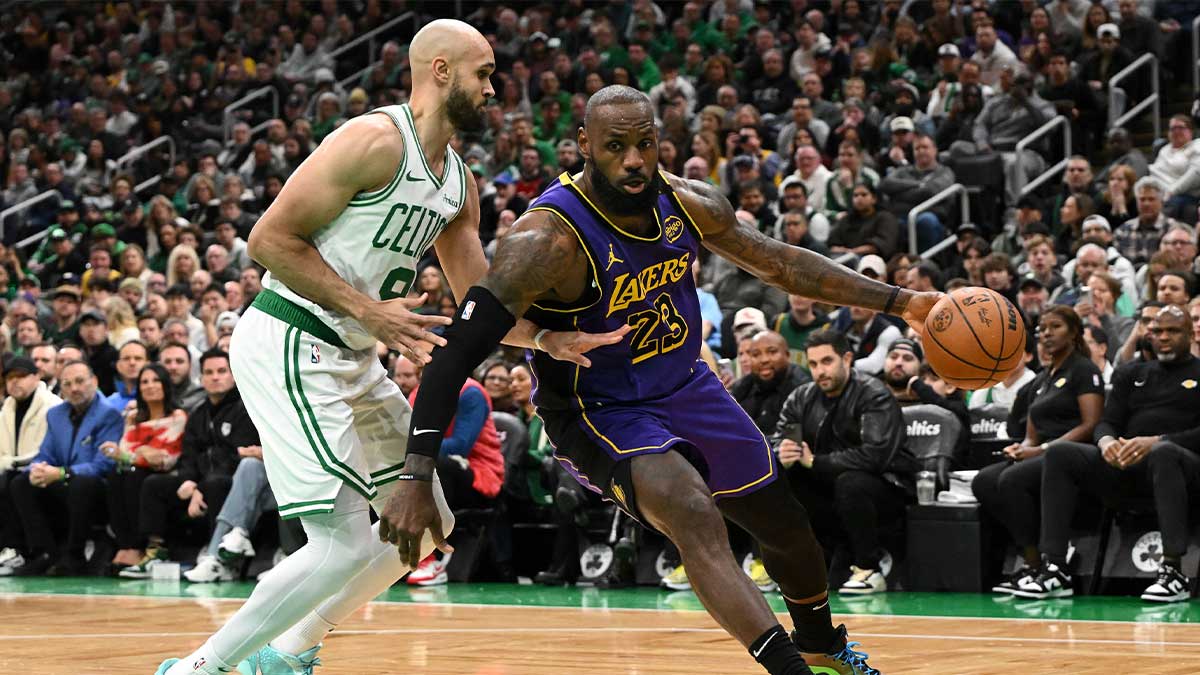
x=298, y=397
x=672, y=496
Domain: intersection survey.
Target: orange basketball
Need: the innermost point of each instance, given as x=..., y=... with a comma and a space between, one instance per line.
x=974, y=337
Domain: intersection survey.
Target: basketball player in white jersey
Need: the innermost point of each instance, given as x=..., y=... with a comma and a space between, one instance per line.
x=341, y=243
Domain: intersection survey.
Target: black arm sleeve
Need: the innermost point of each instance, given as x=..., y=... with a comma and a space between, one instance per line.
x=479, y=325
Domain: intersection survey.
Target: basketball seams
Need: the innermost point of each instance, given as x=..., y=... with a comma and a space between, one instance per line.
x=946, y=351
x=971, y=327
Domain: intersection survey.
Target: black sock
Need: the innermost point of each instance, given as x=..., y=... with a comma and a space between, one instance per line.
x=775, y=652
x=814, y=626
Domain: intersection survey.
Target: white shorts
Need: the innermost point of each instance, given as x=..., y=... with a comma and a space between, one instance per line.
x=327, y=415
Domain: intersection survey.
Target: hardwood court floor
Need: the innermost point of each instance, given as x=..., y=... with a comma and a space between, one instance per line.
x=97, y=627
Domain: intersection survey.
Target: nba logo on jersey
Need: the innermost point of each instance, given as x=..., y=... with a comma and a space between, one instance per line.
x=468, y=310
x=316, y=354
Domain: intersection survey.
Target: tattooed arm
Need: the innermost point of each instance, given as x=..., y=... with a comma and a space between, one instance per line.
x=794, y=269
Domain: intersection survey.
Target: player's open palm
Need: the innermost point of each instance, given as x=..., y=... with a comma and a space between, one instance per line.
x=394, y=323
x=572, y=345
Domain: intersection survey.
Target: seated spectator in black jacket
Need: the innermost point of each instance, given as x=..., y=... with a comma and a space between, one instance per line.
x=98, y=351
x=197, y=489
x=864, y=230
x=772, y=377
x=913, y=382
x=1148, y=445
x=841, y=441
x=1066, y=401
x=910, y=184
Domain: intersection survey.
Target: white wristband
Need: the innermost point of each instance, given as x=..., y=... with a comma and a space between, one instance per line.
x=537, y=339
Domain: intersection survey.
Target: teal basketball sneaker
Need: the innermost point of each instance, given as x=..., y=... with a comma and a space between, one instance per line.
x=842, y=659
x=271, y=661
x=165, y=666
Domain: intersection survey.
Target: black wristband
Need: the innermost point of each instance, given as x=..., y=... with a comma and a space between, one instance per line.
x=413, y=476
x=480, y=324
x=887, y=308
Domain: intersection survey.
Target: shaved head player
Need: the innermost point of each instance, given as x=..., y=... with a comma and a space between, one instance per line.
x=341, y=243
x=648, y=427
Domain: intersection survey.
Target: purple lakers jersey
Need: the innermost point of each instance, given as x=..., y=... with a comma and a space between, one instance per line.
x=643, y=280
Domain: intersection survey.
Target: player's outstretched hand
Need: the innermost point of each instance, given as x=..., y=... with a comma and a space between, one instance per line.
x=918, y=308
x=394, y=323
x=405, y=518
x=572, y=345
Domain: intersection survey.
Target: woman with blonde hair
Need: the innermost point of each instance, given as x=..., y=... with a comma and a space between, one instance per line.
x=133, y=263
x=706, y=146
x=203, y=202
x=181, y=265
x=122, y=322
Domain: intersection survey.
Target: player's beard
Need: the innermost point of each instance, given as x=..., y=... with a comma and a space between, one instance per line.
x=618, y=202
x=462, y=111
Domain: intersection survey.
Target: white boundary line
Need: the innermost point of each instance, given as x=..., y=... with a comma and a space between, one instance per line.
x=615, y=629
x=473, y=605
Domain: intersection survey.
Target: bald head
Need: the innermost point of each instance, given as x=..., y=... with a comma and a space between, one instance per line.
x=452, y=64
x=769, y=356
x=614, y=96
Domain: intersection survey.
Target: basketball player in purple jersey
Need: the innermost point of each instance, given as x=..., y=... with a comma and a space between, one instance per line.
x=648, y=425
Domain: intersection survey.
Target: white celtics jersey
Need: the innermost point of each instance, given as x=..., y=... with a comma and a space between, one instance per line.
x=376, y=241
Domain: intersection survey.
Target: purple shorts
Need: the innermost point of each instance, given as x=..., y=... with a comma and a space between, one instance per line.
x=700, y=420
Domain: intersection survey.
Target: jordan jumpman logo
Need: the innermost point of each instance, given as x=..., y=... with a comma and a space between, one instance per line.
x=612, y=258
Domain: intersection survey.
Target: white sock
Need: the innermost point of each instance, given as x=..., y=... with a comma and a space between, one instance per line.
x=306, y=634
x=383, y=571
x=209, y=663
x=336, y=550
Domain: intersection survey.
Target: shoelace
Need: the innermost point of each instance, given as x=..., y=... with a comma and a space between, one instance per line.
x=856, y=659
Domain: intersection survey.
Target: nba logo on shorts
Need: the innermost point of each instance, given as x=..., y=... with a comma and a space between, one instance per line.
x=316, y=354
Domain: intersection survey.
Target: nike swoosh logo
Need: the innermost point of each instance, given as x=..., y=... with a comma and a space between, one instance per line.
x=411, y=178
x=418, y=432
x=762, y=648
x=1139, y=384
x=821, y=606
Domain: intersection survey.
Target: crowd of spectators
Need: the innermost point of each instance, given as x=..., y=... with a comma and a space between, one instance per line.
x=824, y=122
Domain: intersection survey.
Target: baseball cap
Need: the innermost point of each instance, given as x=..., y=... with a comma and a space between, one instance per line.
x=103, y=230
x=539, y=35
x=478, y=169
x=323, y=75
x=58, y=233
x=902, y=123
x=1096, y=219
x=1030, y=280
x=905, y=344
x=226, y=320
x=1108, y=30
x=65, y=289
x=20, y=364
x=873, y=263
x=949, y=49
x=503, y=178
x=966, y=228
x=92, y=315
x=750, y=316
x=67, y=205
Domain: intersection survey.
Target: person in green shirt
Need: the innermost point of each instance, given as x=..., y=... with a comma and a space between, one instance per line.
x=796, y=324
x=522, y=130
x=612, y=54
x=643, y=67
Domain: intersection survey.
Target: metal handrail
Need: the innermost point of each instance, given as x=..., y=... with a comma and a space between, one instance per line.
x=369, y=36
x=350, y=82
x=1037, y=135
x=950, y=192
x=1152, y=100
x=21, y=206
x=227, y=113
x=129, y=157
x=1196, y=55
